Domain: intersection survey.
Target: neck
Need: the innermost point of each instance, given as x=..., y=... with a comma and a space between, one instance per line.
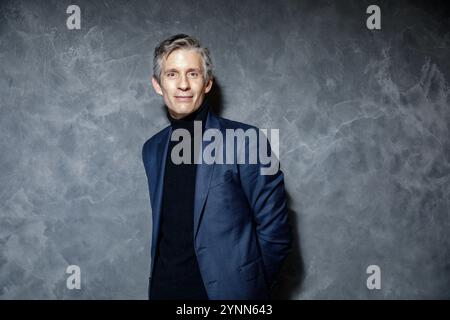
x=199, y=114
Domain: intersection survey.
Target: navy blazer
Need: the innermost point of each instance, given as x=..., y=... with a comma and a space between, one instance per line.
x=241, y=230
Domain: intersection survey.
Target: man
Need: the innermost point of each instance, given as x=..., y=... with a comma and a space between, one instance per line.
x=220, y=231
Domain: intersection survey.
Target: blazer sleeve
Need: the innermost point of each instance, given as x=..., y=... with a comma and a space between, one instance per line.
x=267, y=198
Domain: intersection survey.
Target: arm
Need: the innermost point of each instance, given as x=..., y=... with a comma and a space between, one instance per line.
x=267, y=198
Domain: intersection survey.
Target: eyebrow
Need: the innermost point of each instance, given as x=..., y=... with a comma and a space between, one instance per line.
x=188, y=70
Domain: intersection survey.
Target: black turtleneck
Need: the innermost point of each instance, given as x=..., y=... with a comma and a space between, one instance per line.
x=176, y=273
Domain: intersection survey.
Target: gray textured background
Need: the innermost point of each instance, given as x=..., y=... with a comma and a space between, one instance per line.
x=364, y=122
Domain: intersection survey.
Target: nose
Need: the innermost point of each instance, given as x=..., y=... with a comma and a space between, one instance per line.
x=183, y=84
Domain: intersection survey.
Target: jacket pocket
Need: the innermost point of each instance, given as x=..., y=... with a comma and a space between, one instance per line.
x=251, y=270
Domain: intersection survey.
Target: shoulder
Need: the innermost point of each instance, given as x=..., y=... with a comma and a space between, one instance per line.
x=247, y=130
x=154, y=140
x=231, y=124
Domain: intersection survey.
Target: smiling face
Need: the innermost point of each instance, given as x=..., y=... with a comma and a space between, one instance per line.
x=183, y=85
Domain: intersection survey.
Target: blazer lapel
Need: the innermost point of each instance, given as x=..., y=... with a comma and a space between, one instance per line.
x=203, y=175
x=160, y=160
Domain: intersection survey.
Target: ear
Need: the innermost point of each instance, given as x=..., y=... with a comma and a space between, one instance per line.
x=209, y=85
x=156, y=86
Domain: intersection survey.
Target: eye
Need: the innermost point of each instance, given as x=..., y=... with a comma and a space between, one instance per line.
x=171, y=74
x=193, y=74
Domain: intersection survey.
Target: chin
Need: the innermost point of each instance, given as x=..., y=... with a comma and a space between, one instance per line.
x=181, y=112
x=184, y=109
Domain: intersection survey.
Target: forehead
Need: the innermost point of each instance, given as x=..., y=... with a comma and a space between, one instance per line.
x=183, y=59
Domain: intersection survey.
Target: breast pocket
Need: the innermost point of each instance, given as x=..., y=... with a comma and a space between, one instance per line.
x=223, y=179
x=226, y=202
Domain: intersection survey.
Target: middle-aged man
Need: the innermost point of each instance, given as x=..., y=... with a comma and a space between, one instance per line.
x=220, y=230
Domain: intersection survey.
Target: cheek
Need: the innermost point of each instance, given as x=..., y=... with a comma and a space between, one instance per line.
x=167, y=87
x=198, y=87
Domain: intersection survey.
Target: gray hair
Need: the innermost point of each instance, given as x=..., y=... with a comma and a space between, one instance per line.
x=180, y=41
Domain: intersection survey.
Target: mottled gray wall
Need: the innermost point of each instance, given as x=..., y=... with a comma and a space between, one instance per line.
x=363, y=116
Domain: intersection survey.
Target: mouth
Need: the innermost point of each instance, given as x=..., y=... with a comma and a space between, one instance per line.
x=183, y=98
